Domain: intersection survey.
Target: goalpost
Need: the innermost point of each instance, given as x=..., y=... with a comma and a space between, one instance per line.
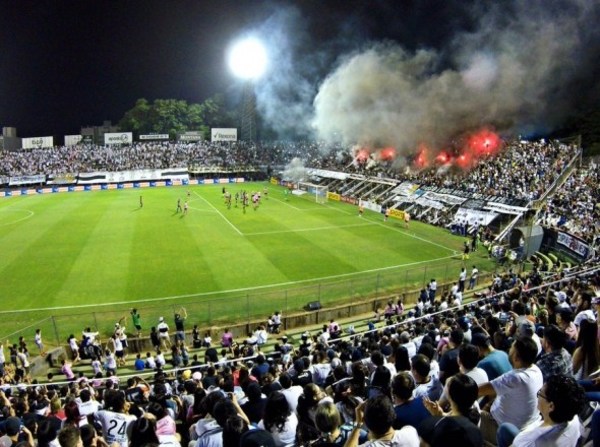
x=318, y=192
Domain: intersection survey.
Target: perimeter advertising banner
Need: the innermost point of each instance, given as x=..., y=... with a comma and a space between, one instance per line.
x=154, y=136
x=72, y=140
x=37, y=142
x=118, y=138
x=191, y=136
x=223, y=134
x=333, y=196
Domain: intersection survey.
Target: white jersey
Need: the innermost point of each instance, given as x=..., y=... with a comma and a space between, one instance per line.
x=114, y=426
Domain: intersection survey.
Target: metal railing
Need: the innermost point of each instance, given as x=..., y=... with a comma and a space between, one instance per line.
x=223, y=308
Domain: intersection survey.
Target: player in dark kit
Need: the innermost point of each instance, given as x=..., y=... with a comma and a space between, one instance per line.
x=141, y=202
x=179, y=209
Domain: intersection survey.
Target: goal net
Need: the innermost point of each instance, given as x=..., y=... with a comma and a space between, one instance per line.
x=316, y=192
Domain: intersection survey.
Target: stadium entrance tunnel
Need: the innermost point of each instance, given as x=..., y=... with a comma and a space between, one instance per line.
x=526, y=241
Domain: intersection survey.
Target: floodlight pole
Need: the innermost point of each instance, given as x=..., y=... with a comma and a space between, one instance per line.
x=248, y=115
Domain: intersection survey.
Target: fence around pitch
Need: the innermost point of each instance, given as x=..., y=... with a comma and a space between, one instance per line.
x=230, y=308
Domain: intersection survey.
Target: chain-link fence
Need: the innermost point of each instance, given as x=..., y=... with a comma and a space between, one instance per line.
x=225, y=308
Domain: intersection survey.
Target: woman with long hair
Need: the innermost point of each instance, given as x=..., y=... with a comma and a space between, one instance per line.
x=401, y=359
x=462, y=392
x=279, y=420
x=586, y=356
x=359, y=380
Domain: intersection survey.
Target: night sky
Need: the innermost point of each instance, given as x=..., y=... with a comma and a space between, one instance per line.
x=67, y=64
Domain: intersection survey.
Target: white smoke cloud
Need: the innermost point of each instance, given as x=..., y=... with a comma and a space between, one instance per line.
x=295, y=171
x=510, y=73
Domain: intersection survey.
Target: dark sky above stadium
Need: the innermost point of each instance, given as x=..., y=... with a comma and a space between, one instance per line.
x=387, y=71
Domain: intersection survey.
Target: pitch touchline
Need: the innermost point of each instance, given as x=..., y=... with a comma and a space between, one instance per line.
x=220, y=214
x=222, y=292
x=406, y=233
x=330, y=227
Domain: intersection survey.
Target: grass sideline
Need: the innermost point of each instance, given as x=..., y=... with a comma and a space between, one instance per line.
x=84, y=259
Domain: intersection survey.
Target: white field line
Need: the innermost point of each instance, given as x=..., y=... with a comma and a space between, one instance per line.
x=329, y=227
x=222, y=292
x=220, y=214
x=285, y=203
x=414, y=236
x=31, y=214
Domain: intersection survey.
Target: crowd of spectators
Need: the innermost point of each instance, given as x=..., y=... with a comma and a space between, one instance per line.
x=512, y=367
x=574, y=207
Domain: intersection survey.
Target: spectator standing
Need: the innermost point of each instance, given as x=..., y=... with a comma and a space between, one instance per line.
x=163, y=333
x=473, y=278
x=180, y=318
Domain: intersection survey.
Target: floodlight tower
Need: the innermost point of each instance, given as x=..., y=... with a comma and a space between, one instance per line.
x=248, y=61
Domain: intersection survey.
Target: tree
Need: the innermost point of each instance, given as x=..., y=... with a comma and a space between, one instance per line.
x=163, y=116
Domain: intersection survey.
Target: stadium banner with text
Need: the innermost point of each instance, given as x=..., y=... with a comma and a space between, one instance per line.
x=62, y=179
x=118, y=138
x=26, y=180
x=7, y=193
x=333, y=196
x=274, y=181
x=505, y=209
x=37, y=142
x=405, y=189
x=72, y=140
x=152, y=136
x=573, y=244
x=428, y=203
x=223, y=134
x=131, y=176
x=350, y=200
x=446, y=198
x=190, y=136
x=474, y=216
x=396, y=213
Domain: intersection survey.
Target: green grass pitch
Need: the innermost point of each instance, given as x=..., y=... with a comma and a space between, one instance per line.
x=94, y=255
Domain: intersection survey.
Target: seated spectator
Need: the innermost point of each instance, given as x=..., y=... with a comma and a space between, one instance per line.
x=493, y=361
x=564, y=320
x=459, y=426
x=329, y=424
x=226, y=338
x=291, y=392
x=409, y=410
x=255, y=406
x=378, y=416
x=334, y=329
x=555, y=359
x=515, y=391
x=279, y=420
x=559, y=401
x=143, y=432
x=426, y=385
x=586, y=357
x=449, y=360
x=274, y=323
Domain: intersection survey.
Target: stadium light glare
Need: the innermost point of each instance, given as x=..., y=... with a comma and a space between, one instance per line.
x=247, y=59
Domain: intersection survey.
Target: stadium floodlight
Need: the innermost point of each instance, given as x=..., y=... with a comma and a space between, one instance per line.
x=248, y=59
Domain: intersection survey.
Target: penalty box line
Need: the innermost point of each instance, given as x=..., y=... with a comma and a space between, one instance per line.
x=220, y=214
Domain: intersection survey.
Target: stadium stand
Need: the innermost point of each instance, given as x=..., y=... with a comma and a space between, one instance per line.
x=303, y=385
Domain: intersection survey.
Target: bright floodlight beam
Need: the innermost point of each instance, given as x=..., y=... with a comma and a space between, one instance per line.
x=248, y=59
